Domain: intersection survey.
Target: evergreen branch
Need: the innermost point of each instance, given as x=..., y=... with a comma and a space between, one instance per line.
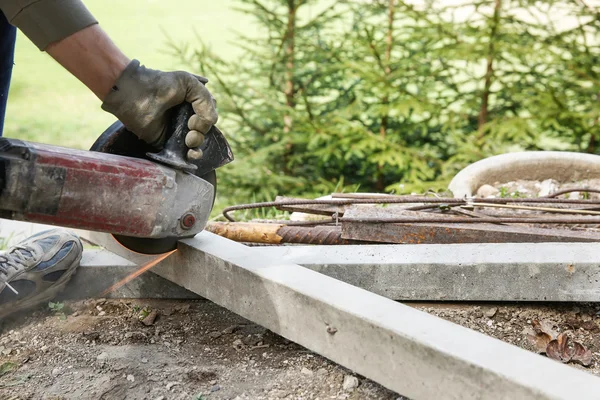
x=240, y=111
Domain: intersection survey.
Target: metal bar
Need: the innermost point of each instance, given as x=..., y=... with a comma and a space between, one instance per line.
x=319, y=209
x=408, y=351
x=396, y=215
x=446, y=232
x=561, y=272
x=459, y=233
x=266, y=233
x=395, y=200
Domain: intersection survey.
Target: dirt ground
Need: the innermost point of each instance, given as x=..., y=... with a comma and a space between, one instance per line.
x=197, y=350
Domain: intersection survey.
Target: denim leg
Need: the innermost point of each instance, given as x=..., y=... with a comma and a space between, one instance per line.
x=8, y=35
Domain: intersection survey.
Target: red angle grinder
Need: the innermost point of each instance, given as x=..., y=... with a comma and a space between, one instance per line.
x=147, y=200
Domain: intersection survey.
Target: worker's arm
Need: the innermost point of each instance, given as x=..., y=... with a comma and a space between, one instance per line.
x=91, y=57
x=138, y=96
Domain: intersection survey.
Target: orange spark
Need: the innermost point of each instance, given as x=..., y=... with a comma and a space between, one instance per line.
x=136, y=273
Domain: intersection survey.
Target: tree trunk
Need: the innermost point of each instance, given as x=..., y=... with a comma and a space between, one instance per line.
x=489, y=74
x=389, y=41
x=289, y=65
x=289, y=86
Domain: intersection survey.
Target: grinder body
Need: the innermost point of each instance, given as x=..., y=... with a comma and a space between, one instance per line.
x=102, y=192
x=146, y=200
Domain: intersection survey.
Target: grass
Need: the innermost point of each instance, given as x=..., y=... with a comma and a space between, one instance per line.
x=46, y=104
x=4, y=241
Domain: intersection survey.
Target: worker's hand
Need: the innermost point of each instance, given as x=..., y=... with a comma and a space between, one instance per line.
x=142, y=97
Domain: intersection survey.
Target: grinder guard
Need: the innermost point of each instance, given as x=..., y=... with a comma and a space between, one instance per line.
x=216, y=152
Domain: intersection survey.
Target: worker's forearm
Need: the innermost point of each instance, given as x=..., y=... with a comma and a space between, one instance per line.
x=92, y=57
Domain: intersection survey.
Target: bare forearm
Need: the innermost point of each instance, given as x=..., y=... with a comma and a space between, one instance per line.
x=92, y=57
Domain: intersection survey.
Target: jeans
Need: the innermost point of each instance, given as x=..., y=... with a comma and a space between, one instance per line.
x=8, y=36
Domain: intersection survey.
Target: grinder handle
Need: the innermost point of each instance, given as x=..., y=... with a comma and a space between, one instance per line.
x=174, y=152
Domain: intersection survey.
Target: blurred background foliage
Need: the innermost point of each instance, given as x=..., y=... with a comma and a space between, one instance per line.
x=395, y=96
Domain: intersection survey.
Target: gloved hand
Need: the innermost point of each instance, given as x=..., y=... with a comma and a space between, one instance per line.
x=142, y=97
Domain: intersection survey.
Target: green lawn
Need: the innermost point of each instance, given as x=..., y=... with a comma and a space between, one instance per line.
x=48, y=105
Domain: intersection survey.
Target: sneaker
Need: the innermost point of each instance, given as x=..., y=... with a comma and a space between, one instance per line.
x=35, y=270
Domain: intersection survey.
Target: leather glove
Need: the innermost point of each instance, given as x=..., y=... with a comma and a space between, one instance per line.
x=142, y=97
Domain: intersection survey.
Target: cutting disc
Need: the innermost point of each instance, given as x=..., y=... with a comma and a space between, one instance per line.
x=118, y=140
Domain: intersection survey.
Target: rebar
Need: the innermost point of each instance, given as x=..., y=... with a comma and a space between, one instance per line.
x=397, y=200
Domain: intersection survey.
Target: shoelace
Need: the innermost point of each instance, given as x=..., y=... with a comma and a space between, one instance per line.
x=17, y=258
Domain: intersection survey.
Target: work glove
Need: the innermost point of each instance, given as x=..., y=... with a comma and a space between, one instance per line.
x=141, y=99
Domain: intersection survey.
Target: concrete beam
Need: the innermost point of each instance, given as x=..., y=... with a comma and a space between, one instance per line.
x=557, y=272
x=408, y=351
x=459, y=272
x=100, y=269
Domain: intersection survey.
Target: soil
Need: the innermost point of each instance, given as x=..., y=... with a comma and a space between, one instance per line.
x=100, y=349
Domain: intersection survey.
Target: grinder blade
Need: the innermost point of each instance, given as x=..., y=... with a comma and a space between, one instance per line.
x=119, y=140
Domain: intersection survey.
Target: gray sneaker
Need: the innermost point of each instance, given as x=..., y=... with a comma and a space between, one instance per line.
x=35, y=270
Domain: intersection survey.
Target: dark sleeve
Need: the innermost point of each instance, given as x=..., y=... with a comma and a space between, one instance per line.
x=47, y=21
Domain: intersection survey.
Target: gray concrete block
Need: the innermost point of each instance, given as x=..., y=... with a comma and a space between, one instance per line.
x=459, y=272
x=100, y=269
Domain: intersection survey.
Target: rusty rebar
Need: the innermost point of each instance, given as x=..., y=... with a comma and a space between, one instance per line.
x=268, y=233
x=397, y=200
x=462, y=220
x=566, y=191
x=323, y=235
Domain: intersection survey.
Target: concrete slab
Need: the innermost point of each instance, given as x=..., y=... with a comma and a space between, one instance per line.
x=408, y=351
x=100, y=269
x=459, y=272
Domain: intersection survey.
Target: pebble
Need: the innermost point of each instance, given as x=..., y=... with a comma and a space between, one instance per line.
x=102, y=313
x=487, y=191
x=491, y=312
x=130, y=378
x=547, y=187
x=238, y=344
x=321, y=371
x=215, y=388
x=350, y=383
x=306, y=371
x=55, y=371
x=215, y=335
x=279, y=393
x=171, y=384
x=102, y=356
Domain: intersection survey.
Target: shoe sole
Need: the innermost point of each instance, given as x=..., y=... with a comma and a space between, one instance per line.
x=44, y=296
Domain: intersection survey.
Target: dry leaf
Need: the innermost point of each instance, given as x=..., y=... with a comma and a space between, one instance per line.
x=545, y=326
x=542, y=334
x=581, y=355
x=558, y=349
x=539, y=340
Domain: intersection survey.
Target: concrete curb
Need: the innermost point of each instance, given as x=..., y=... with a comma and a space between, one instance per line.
x=100, y=269
x=560, y=272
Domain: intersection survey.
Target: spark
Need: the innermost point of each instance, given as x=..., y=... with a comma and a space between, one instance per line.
x=136, y=273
